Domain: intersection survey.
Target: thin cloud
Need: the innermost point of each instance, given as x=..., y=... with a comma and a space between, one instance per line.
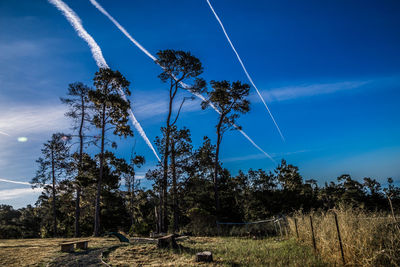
x=261, y=156
x=22, y=120
x=147, y=106
x=18, y=193
x=309, y=90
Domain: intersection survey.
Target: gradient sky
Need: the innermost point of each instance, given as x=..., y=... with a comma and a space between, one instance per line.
x=329, y=70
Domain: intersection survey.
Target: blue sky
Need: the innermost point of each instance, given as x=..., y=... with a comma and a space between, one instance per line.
x=329, y=71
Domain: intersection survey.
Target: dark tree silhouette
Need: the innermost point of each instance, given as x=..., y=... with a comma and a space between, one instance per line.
x=180, y=152
x=130, y=183
x=179, y=68
x=79, y=112
x=110, y=112
x=230, y=100
x=52, y=166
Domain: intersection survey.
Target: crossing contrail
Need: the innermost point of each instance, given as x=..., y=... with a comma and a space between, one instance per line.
x=245, y=70
x=76, y=23
x=184, y=85
x=13, y=182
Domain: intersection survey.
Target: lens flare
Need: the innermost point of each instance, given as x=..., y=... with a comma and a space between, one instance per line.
x=22, y=139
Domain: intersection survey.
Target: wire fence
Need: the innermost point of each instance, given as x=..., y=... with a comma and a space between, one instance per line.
x=262, y=228
x=345, y=239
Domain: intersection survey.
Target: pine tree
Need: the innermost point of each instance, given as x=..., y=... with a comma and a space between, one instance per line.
x=110, y=112
x=53, y=165
x=230, y=100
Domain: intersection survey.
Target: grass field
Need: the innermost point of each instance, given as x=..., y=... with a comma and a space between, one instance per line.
x=38, y=252
x=226, y=252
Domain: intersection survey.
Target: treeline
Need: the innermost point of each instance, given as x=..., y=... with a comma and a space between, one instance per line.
x=91, y=193
x=249, y=196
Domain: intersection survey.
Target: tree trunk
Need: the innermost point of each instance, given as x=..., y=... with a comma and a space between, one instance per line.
x=164, y=213
x=131, y=199
x=77, y=211
x=216, y=194
x=174, y=190
x=97, y=211
x=54, y=194
x=163, y=199
x=78, y=187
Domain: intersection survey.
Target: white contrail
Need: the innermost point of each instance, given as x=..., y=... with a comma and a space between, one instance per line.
x=184, y=85
x=3, y=133
x=13, y=182
x=76, y=23
x=244, y=68
x=122, y=29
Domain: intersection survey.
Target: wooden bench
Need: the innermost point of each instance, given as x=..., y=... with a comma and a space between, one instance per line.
x=69, y=246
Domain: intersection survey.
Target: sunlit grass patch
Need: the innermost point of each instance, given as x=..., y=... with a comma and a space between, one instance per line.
x=226, y=252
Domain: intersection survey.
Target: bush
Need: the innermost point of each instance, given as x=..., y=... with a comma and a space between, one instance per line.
x=140, y=228
x=10, y=231
x=201, y=222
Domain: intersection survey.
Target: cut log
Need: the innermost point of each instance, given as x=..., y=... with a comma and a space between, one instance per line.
x=167, y=241
x=205, y=256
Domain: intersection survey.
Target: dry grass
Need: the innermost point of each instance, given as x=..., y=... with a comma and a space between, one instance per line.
x=369, y=239
x=226, y=252
x=38, y=252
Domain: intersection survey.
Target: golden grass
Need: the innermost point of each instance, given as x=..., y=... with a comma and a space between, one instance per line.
x=226, y=252
x=369, y=239
x=38, y=252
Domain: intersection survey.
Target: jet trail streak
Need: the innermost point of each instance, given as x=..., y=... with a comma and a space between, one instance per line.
x=184, y=85
x=76, y=23
x=245, y=70
x=13, y=182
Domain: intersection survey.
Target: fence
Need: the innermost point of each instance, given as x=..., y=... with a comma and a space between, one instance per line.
x=262, y=228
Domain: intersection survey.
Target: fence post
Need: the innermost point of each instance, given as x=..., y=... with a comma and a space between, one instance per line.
x=312, y=233
x=276, y=229
x=340, y=239
x=295, y=224
x=280, y=228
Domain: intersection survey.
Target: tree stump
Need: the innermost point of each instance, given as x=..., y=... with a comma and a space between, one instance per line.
x=167, y=241
x=205, y=256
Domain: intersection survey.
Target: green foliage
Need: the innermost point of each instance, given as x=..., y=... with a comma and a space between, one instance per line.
x=109, y=106
x=140, y=228
x=202, y=222
x=85, y=184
